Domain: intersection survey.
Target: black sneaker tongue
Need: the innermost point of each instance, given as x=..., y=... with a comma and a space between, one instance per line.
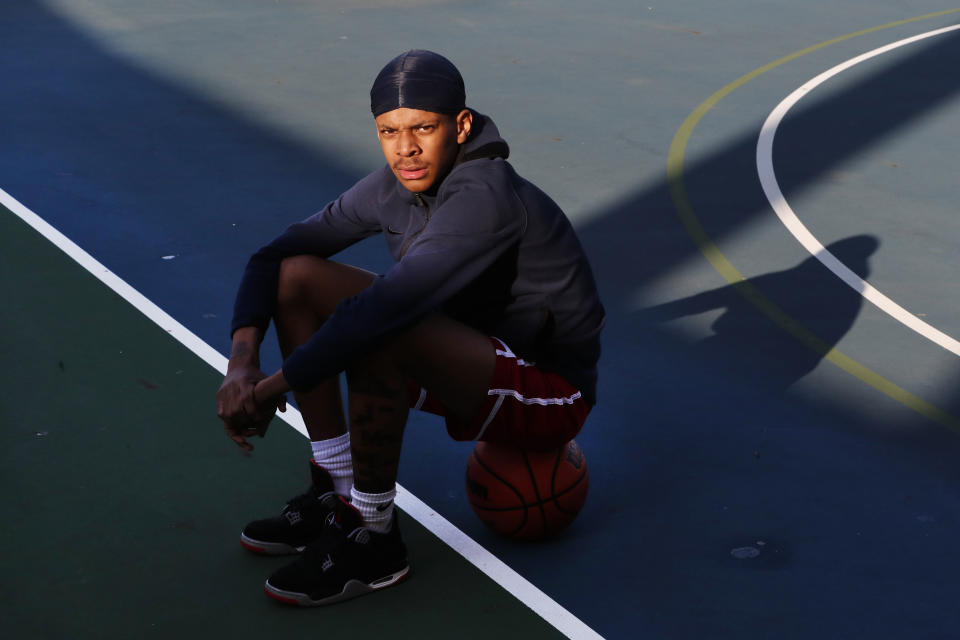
x=322, y=482
x=345, y=517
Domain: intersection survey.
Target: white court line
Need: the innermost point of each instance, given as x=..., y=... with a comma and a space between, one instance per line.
x=498, y=571
x=772, y=190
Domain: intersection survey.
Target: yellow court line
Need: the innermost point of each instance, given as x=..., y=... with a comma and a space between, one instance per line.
x=692, y=224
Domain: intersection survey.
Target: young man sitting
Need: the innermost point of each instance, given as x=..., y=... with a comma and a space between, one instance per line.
x=490, y=317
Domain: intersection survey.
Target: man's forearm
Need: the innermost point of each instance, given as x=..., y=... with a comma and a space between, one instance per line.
x=245, y=350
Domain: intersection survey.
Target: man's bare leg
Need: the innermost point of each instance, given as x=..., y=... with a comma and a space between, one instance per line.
x=379, y=405
x=309, y=290
x=453, y=361
x=450, y=359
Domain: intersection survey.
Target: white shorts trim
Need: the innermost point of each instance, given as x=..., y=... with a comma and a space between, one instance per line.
x=490, y=417
x=541, y=401
x=421, y=399
x=507, y=353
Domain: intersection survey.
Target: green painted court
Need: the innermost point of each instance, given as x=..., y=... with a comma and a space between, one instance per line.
x=766, y=192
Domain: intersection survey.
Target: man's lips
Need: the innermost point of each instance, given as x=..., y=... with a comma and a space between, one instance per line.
x=414, y=173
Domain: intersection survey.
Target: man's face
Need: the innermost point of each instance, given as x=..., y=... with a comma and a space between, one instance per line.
x=421, y=146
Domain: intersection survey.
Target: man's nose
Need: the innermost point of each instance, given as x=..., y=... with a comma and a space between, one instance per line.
x=408, y=144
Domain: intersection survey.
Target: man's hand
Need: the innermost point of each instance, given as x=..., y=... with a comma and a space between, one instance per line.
x=237, y=405
x=246, y=413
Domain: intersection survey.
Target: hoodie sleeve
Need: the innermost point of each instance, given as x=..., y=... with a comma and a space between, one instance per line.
x=477, y=218
x=348, y=219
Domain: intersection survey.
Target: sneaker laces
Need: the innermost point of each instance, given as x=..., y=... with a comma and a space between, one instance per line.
x=308, y=500
x=334, y=535
x=330, y=542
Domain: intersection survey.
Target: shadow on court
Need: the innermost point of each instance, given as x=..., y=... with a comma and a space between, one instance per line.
x=641, y=237
x=806, y=293
x=695, y=450
x=723, y=456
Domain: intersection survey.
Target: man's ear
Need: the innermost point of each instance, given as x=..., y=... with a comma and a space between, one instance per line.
x=464, y=123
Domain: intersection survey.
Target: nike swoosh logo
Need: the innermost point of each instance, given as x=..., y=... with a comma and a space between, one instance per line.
x=384, y=506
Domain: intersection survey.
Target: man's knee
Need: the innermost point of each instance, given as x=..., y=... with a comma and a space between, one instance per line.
x=318, y=284
x=297, y=275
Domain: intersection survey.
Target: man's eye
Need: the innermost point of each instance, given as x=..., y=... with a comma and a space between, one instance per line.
x=427, y=128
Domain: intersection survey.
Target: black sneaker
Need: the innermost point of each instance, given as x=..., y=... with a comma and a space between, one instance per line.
x=347, y=561
x=300, y=522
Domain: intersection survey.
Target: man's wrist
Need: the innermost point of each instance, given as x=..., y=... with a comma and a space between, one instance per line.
x=245, y=349
x=272, y=386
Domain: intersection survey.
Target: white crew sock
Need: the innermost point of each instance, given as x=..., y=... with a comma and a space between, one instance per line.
x=334, y=456
x=376, y=508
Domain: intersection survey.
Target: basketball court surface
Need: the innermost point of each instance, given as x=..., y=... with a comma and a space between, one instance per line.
x=767, y=193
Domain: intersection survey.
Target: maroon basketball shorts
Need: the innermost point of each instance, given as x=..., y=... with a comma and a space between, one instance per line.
x=525, y=406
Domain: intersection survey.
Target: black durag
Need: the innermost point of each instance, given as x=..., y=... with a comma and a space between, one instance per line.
x=418, y=79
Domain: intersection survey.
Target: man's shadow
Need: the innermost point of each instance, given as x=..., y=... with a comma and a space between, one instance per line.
x=751, y=346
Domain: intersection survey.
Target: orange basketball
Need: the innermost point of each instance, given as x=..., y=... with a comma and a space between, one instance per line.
x=527, y=495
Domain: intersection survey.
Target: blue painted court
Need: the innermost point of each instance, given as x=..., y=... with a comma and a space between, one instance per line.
x=767, y=195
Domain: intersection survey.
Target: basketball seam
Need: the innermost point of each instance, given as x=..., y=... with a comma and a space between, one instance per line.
x=536, y=491
x=553, y=480
x=573, y=486
x=529, y=505
x=553, y=476
x=489, y=470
